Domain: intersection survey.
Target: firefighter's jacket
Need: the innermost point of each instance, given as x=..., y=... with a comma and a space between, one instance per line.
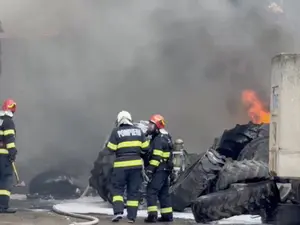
x=7, y=134
x=161, y=148
x=128, y=142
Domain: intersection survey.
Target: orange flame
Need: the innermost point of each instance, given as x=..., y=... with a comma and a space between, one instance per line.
x=255, y=107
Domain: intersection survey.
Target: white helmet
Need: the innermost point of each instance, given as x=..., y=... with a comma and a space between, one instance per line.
x=124, y=117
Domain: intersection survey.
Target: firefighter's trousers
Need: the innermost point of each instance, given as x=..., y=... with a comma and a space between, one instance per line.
x=132, y=180
x=6, y=179
x=158, y=188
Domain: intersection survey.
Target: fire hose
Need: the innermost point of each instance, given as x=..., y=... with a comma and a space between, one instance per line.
x=92, y=220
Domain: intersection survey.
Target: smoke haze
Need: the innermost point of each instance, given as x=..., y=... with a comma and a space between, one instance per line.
x=188, y=60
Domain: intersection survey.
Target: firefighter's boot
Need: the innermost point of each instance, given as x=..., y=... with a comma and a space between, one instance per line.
x=165, y=219
x=151, y=219
x=8, y=210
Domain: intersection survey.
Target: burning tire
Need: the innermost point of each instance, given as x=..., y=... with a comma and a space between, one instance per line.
x=240, y=172
x=196, y=180
x=239, y=199
x=233, y=141
x=258, y=149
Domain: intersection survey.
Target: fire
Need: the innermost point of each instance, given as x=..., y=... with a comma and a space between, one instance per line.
x=255, y=107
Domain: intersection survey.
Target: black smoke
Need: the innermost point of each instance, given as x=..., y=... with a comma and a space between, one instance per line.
x=188, y=60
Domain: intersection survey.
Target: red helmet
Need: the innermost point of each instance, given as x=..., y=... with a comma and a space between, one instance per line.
x=9, y=105
x=158, y=120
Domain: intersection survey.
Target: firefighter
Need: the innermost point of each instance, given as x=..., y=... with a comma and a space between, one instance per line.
x=158, y=171
x=128, y=142
x=8, y=153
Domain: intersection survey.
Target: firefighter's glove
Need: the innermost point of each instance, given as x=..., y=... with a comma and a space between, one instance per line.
x=172, y=177
x=149, y=175
x=12, y=156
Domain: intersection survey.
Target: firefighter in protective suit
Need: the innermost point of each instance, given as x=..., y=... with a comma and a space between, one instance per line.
x=8, y=153
x=158, y=171
x=128, y=142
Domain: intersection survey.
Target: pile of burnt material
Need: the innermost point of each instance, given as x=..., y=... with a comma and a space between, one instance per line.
x=53, y=185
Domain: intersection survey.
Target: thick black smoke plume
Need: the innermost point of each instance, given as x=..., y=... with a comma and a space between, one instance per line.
x=188, y=60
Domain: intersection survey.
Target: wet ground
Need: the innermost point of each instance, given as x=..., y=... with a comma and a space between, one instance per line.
x=38, y=212
x=49, y=218
x=35, y=218
x=33, y=212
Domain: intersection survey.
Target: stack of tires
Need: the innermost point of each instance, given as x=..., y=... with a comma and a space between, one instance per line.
x=240, y=185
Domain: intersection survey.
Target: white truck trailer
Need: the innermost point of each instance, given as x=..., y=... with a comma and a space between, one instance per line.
x=284, y=145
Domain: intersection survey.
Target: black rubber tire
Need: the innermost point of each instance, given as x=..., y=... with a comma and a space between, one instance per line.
x=233, y=141
x=258, y=149
x=240, y=172
x=101, y=173
x=196, y=180
x=191, y=158
x=183, y=175
x=238, y=200
x=264, y=130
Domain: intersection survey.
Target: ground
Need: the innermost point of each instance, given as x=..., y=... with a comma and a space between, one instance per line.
x=39, y=212
x=50, y=218
x=34, y=218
